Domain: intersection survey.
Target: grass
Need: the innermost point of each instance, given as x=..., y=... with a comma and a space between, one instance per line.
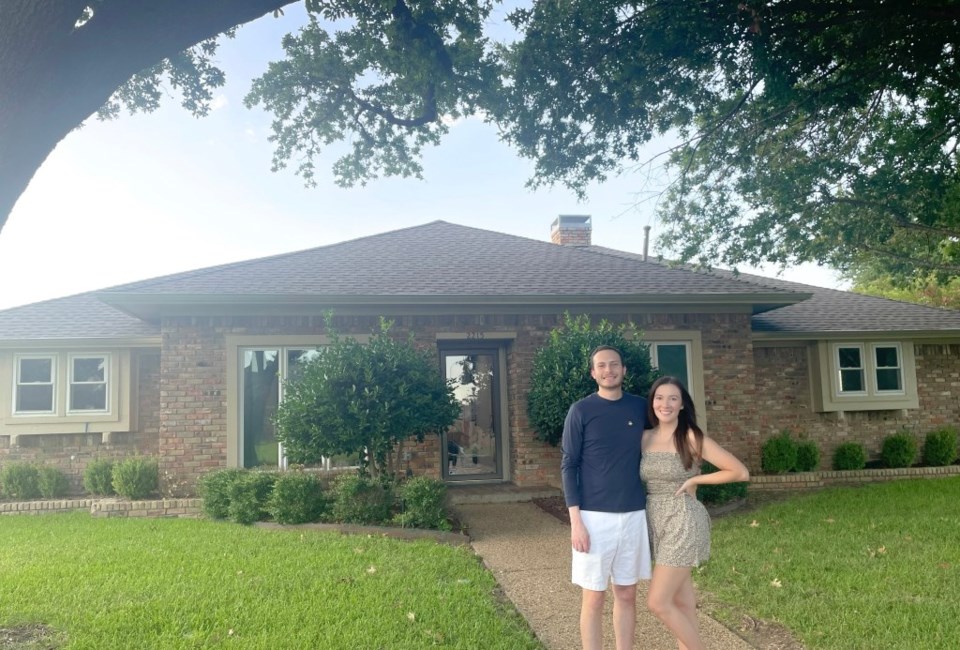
x=132, y=583
x=867, y=567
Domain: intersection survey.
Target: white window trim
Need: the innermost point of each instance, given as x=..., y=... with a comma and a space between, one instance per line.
x=52, y=358
x=825, y=369
x=875, y=368
x=688, y=352
x=107, y=379
x=121, y=389
x=863, y=368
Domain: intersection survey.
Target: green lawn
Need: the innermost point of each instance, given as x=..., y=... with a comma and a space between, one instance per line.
x=132, y=583
x=869, y=567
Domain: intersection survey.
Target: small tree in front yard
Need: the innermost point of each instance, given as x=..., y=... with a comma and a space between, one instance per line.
x=365, y=399
x=561, y=370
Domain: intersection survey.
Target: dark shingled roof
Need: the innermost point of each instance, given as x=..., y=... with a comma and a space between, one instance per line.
x=440, y=261
x=832, y=310
x=83, y=316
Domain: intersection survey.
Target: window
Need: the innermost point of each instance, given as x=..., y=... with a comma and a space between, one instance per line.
x=34, y=386
x=88, y=384
x=850, y=364
x=864, y=376
x=874, y=369
x=672, y=359
x=888, y=368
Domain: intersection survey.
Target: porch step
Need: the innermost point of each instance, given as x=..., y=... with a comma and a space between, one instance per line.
x=461, y=494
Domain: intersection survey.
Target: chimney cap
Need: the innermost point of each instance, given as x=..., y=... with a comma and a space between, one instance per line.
x=572, y=221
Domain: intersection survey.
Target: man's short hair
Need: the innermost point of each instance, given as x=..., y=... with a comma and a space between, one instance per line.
x=601, y=348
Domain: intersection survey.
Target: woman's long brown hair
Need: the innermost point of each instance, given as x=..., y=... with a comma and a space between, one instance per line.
x=686, y=422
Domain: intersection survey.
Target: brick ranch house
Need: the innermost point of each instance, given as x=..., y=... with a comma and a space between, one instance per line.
x=190, y=367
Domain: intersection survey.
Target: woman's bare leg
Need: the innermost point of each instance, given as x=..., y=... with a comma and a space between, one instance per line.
x=670, y=596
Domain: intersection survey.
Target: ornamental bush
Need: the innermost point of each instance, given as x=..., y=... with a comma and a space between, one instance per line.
x=365, y=400
x=98, y=477
x=361, y=499
x=52, y=482
x=719, y=494
x=423, y=504
x=136, y=477
x=20, y=481
x=899, y=450
x=778, y=454
x=560, y=373
x=849, y=455
x=808, y=456
x=249, y=495
x=297, y=498
x=940, y=447
x=214, y=487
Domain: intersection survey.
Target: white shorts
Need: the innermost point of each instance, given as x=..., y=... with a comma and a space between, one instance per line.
x=619, y=550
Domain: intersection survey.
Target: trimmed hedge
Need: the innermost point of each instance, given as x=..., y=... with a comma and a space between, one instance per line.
x=849, y=456
x=779, y=454
x=940, y=447
x=899, y=450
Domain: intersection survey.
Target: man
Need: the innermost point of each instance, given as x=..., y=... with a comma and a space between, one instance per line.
x=601, y=484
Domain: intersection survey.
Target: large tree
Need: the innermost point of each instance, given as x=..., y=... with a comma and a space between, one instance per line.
x=388, y=77
x=62, y=60
x=813, y=130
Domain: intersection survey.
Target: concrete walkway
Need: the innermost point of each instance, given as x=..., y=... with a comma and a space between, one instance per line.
x=528, y=552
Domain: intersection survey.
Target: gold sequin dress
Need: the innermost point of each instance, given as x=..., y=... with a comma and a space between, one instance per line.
x=679, y=525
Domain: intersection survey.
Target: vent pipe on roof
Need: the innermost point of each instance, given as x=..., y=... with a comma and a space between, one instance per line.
x=646, y=242
x=571, y=230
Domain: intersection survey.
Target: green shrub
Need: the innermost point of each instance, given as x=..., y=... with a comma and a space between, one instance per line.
x=808, y=456
x=940, y=447
x=779, y=454
x=719, y=494
x=52, y=482
x=136, y=477
x=849, y=455
x=423, y=504
x=362, y=499
x=297, y=498
x=899, y=450
x=21, y=481
x=560, y=372
x=98, y=477
x=248, y=497
x=214, y=487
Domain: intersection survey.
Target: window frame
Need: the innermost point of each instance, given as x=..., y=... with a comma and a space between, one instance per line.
x=70, y=382
x=17, y=383
x=825, y=374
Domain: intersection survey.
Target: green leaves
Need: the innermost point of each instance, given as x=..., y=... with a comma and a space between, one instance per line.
x=561, y=370
x=363, y=399
x=386, y=84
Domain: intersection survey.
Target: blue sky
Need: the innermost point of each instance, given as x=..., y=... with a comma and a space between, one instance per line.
x=148, y=195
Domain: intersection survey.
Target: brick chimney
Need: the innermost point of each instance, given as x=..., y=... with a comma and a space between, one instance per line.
x=571, y=230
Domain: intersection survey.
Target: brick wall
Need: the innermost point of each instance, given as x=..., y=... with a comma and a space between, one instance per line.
x=193, y=419
x=72, y=452
x=785, y=402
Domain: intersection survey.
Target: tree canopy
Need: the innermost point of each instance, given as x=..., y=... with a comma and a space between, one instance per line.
x=814, y=130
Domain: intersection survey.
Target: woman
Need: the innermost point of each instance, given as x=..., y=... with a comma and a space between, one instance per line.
x=679, y=524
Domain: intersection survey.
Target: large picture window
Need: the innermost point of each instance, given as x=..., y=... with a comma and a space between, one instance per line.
x=264, y=371
x=35, y=384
